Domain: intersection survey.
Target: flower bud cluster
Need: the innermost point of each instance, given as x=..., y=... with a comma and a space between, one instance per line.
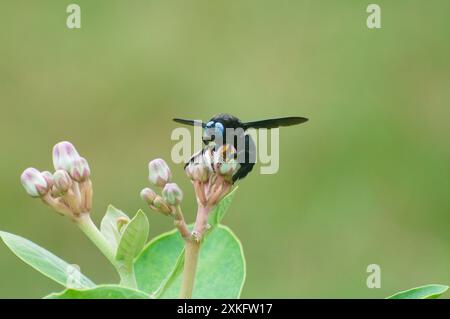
x=69, y=189
x=171, y=195
x=168, y=203
x=211, y=171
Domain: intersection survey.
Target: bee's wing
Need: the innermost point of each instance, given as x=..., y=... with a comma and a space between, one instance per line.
x=190, y=122
x=273, y=123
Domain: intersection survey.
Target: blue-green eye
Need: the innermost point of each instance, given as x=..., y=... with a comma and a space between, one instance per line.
x=209, y=124
x=219, y=127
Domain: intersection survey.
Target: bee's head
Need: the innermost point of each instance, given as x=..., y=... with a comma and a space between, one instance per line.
x=212, y=130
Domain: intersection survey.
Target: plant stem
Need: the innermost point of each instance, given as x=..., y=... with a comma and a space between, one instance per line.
x=91, y=231
x=192, y=249
x=191, y=253
x=180, y=223
x=127, y=277
x=201, y=220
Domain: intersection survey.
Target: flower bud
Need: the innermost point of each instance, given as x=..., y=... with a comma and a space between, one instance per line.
x=55, y=192
x=225, y=163
x=172, y=194
x=224, y=153
x=159, y=172
x=228, y=168
x=189, y=170
x=64, y=153
x=161, y=205
x=208, y=159
x=62, y=181
x=34, y=183
x=79, y=170
x=148, y=195
x=197, y=172
x=48, y=178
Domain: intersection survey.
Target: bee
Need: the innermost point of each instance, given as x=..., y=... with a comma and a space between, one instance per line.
x=228, y=129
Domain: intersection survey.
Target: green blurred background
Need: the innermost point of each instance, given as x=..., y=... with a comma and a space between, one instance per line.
x=365, y=181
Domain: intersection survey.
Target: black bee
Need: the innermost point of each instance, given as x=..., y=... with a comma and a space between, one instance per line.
x=228, y=129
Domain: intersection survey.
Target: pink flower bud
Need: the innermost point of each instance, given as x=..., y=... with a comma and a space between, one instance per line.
x=48, y=178
x=79, y=170
x=224, y=160
x=190, y=170
x=172, y=194
x=62, y=181
x=197, y=172
x=228, y=168
x=159, y=172
x=161, y=205
x=208, y=159
x=224, y=153
x=34, y=183
x=64, y=153
x=148, y=195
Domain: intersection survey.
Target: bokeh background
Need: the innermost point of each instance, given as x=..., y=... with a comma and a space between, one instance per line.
x=365, y=181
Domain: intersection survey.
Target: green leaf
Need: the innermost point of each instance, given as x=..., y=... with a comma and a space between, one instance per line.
x=109, y=227
x=43, y=261
x=159, y=267
x=163, y=257
x=423, y=292
x=216, y=216
x=100, y=292
x=133, y=238
x=220, y=272
x=170, y=278
x=157, y=260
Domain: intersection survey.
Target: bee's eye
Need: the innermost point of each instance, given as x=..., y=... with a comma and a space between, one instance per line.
x=209, y=124
x=219, y=127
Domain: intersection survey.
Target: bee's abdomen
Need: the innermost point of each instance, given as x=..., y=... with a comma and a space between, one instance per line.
x=246, y=157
